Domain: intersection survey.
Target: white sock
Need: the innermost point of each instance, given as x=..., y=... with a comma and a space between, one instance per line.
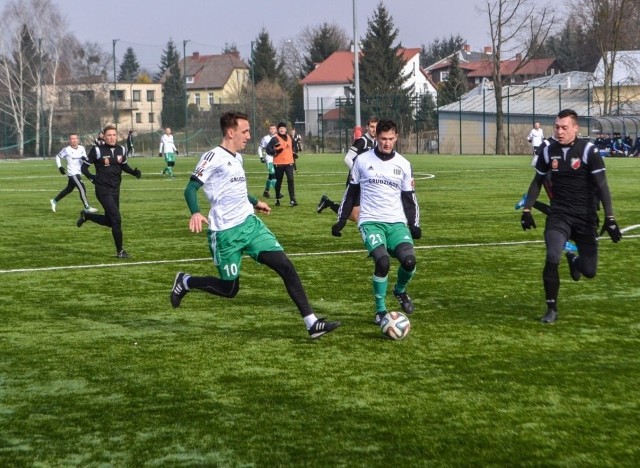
x=309, y=320
x=184, y=281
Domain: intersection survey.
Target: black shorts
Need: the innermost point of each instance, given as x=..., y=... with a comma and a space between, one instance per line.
x=580, y=229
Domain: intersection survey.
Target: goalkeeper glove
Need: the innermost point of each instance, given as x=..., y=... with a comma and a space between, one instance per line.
x=416, y=232
x=336, y=228
x=62, y=171
x=612, y=229
x=262, y=159
x=527, y=221
x=136, y=173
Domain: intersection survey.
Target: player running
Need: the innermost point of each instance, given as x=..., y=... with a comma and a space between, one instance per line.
x=389, y=217
x=234, y=229
x=268, y=160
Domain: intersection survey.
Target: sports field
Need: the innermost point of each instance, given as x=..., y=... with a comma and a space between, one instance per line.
x=97, y=369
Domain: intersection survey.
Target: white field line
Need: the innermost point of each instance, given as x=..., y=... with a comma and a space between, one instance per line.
x=303, y=255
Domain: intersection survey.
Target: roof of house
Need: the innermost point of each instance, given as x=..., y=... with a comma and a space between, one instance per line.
x=508, y=67
x=626, y=69
x=210, y=71
x=338, y=67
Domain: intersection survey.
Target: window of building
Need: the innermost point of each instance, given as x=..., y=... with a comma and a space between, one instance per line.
x=151, y=117
x=118, y=93
x=136, y=95
x=444, y=75
x=197, y=99
x=189, y=79
x=151, y=95
x=211, y=99
x=138, y=117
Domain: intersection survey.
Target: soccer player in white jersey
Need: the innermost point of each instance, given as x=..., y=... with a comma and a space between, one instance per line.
x=389, y=217
x=169, y=150
x=73, y=154
x=268, y=160
x=234, y=229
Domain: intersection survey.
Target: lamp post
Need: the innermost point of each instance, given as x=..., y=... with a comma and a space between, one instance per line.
x=115, y=91
x=186, y=105
x=356, y=74
x=253, y=99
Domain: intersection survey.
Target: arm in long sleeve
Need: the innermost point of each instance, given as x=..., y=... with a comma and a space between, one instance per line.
x=191, y=195
x=349, y=157
x=534, y=190
x=85, y=171
x=351, y=195
x=603, y=193
x=411, y=210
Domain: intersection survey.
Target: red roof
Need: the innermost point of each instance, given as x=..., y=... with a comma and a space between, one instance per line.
x=507, y=67
x=338, y=67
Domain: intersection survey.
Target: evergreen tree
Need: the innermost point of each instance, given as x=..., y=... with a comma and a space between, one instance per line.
x=573, y=47
x=230, y=48
x=440, y=48
x=455, y=86
x=427, y=114
x=170, y=56
x=383, y=89
x=264, y=60
x=324, y=41
x=129, y=68
x=173, y=96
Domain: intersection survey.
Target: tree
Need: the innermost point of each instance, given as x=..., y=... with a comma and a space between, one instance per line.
x=383, y=87
x=572, y=47
x=520, y=27
x=264, y=60
x=611, y=31
x=170, y=57
x=427, y=114
x=129, y=68
x=441, y=48
x=320, y=42
x=173, y=96
x=454, y=86
x=230, y=48
x=30, y=32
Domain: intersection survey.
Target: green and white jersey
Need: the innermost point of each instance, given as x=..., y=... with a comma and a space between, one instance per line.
x=262, y=148
x=381, y=186
x=74, y=157
x=225, y=185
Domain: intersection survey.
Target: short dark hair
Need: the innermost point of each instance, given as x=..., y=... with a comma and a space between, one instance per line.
x=230, y=120
x=109, y=127
x=282, y=124
x=564, y=113
x=373, y=119
x=386, y=125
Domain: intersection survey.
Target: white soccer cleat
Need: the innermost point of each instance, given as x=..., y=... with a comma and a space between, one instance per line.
x=90, y=209
x=53, y=205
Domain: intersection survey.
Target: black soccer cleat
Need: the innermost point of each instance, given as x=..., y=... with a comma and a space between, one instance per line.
x=293, y=203
x=122, y=254
x=405, y=301
x=277, y=202
x=81, y=219
x=321, y=326
x=377, y=319
x=323, y=204
x=573, y=268
x=265, y=194
x=550, y=317
x=178, y=291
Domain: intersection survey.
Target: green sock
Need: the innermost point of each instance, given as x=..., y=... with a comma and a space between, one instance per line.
x=404, y=277
x=380, y=292
x=267, y=185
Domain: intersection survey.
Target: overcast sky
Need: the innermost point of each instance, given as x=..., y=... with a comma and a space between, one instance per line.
x=147, y=25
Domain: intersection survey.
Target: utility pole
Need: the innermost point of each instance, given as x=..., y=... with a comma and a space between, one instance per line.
x=186, y=106
x=356, y=75
x=115, y=91
x=253, y=99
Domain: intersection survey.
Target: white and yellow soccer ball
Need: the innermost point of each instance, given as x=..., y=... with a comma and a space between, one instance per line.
x=395, y=325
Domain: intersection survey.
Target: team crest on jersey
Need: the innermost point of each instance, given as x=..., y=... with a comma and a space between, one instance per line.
x=397, y=171
x=575, y=163
x=107, y=162
x=554, y=164
x=119, y=158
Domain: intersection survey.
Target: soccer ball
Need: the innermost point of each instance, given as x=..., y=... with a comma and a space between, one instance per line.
x=395, y=325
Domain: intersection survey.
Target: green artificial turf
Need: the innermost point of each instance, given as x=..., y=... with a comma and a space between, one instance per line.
x=97, y=369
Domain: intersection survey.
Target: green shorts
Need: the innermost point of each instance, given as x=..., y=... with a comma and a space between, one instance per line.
x=169, y=157
x=271, y=168
x=227, y=247
x=388, y=234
